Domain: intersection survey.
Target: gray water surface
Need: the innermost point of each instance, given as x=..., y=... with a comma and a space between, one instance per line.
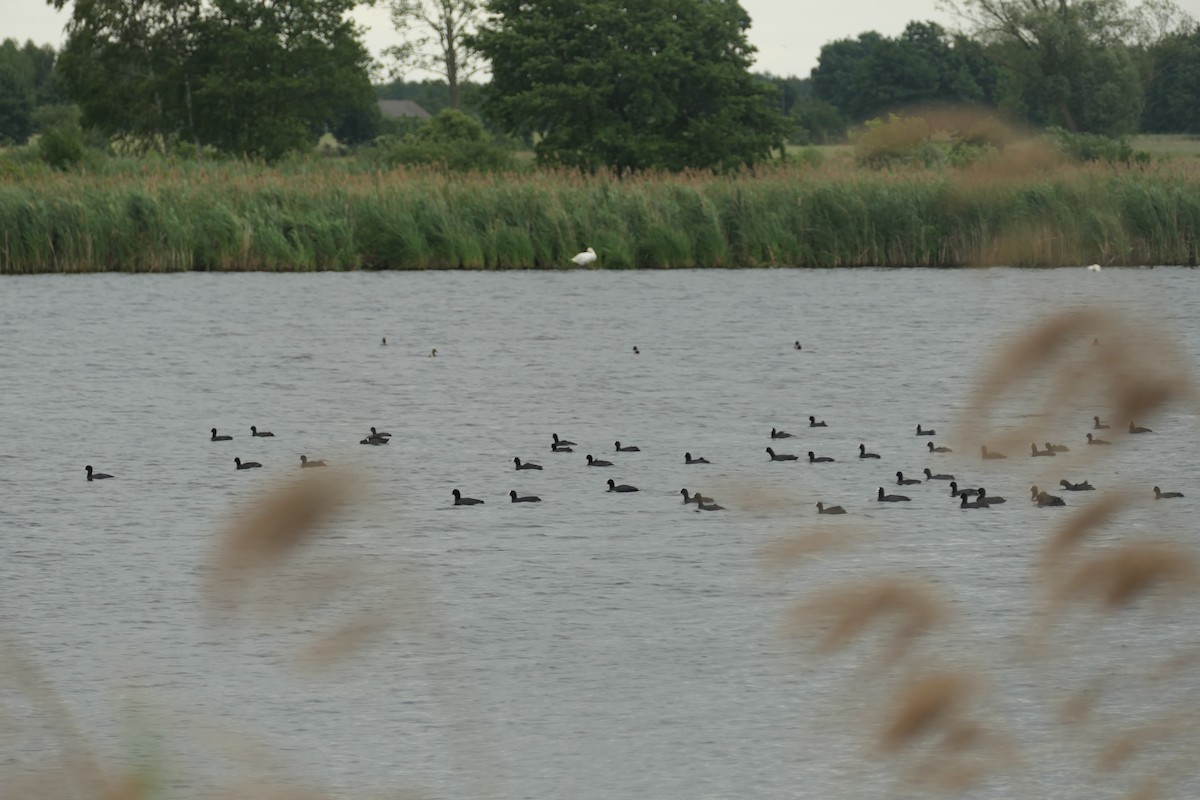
x=594, y=645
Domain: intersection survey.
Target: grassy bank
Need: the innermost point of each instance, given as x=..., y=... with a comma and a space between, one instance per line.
x=328, y=215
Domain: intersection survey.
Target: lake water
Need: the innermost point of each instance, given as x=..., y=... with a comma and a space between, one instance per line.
x=594, y=645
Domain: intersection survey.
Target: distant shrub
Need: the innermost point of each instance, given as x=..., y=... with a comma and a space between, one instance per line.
x=816, y=122
x=62, y=147
x=916, y=141
x=809, y=156
x=450, y=139
x=1084, y=147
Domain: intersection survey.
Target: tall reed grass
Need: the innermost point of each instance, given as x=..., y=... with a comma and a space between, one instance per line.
x=159, y=217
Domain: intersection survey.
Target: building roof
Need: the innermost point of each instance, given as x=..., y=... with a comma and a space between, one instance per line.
x=402, y=108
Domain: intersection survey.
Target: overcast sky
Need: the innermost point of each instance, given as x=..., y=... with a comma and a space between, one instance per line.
x=787, y=33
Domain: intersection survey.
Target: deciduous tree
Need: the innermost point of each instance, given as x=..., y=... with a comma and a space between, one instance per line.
x=629, y=84
x=1068, y=62
x=435, y=34
x=248, y=77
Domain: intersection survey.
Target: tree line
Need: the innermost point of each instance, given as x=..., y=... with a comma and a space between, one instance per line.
x=589, y=84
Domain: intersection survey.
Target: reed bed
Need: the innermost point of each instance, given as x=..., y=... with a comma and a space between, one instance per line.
x=158, y=217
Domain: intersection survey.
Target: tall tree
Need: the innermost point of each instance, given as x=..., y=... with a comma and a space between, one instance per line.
x=1068, y=61
x=275, y=76
x=245, y=76
x=872, y=74
x=435, y=34
x=629, y=84
x=1173, y=93
x=16, y=105
x=129, y=66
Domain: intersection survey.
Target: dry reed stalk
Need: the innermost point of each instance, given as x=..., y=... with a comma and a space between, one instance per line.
x=1137, y=373
x=1118, y=577
x=845, y=612
x=279, y=523
x=927, y=702
x=798, y=547
x=1080, y=524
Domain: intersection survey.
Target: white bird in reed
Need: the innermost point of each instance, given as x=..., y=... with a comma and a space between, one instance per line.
x=585, y=258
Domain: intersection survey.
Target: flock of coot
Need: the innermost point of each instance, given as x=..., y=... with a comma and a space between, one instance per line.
x=969, y=497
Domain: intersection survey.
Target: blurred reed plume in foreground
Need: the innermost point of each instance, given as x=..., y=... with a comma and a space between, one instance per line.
x=914, y=696
x=1076, y=360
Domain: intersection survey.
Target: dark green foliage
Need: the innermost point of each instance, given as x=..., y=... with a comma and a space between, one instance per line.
x=251, y=78
x=629, y=86
x=1083, y=147
x=26, y=82
x=816, y=122
x=16, y=106
x=452, y=140
x=1066, y=63
x=1173, y=92
x=925, y=65
x=61, y=147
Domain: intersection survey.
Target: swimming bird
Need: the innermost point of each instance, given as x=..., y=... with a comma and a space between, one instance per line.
x=1057, y=448
x=780, y=434
x=702, y=506
x=812, y=423
x=563, y=441
x=260, y=434
x=926, y=432
x=939, y=449
x=1093, y=268
x=304, y=462
x=246, y=464
x=929, y=476
x=985, y=453
x=862, y=452
x=95, y=476
x=585, y=258
x=1036, y=452
x=967, y=502
x=383, y=342
x=1093, y=440
x=636, y=352
x=1138, y=429
x=627, y=449
x=526, y=499
x=815, y=459
x=822, y=509
x=624, y=487
x=695, y=498
x=375, y=440
x=781, y=456
x=687, y=459
x=598, y=462
x=557, y=448
x=526, y=465
x=797, y=345
x=1097, y=425
x=1085, y=486
x=991, y=500
x=221, y=438
x=903, y=481
x=380, y=434
x=433, y=353
x=891, y=498
x=1044, y=499
x=1159, y=494
x=459, y=500
x=957, y=492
